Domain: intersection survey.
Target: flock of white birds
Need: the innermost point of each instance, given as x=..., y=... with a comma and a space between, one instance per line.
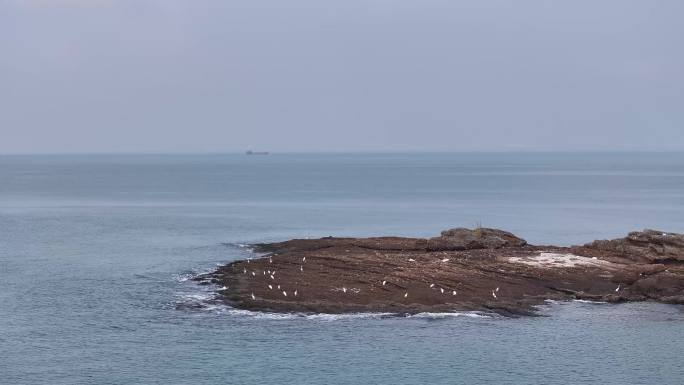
x=271, y=274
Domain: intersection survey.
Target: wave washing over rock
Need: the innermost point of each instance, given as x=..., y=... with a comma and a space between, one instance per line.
x=462, y=270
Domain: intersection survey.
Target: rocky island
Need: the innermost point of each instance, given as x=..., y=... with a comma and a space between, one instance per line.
x=483, y=269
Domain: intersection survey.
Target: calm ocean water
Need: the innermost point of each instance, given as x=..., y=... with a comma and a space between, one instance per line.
x=95, y=253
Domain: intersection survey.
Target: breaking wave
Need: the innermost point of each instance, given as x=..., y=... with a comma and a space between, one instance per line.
x=209, y=302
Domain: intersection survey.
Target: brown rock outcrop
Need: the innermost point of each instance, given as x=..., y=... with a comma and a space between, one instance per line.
x=647, y=246
x=485, y=270
x=479, y=238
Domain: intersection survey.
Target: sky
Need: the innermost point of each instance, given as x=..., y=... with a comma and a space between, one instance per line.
x=90, y=76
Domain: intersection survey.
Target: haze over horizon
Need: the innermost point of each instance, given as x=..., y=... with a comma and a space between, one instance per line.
x=168, y=76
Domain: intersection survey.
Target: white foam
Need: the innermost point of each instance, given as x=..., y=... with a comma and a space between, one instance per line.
x=206, y=302
x=197, y=297
x=338, y=317
x=470, y=314
x=588, y=301
x=350, y=316
x=230, y=311
x=183, y=277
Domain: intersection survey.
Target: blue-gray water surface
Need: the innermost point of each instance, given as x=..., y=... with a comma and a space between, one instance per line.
x=96, y=252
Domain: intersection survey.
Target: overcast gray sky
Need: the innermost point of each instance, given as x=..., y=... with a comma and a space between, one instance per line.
x=340, y=75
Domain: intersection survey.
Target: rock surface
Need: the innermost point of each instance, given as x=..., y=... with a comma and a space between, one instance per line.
x=484, y=270
x=648, y=246
x=480, y=238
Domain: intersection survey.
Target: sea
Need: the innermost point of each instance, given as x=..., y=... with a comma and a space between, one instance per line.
x=97, y=253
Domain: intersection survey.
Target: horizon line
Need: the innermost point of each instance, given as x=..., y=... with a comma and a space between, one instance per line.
x=106, y=153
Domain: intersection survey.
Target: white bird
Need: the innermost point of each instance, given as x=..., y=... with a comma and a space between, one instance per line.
x=497, y=289
x=270, y=287
x=244, y=270
x=453, y=292
x=618, y=288
x=278, y=287
x=253, y=274
x=270, y=260
x=273, y=273
x=383, y=283
x=301, y=268
x=664, y=234
x=442, y=289
x=432, y=285
x=494, y=294
x=272, y=277
x=264, y=272
x=223, y=288
x=295, y=293
x=344, y=289
x=405, y=295
x=253, y=297
x=445, y=260
x=411, y=260
x=303, y=259
x=269, y=272
x=249, y=260
x=285, y=293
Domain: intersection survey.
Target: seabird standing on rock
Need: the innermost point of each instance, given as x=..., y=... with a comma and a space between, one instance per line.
x=453, y=292
x=244, y=270
x=405, y=295
x=270, y=260
x=285, y=293
x=432, y=285
x=253, y=297
x=270, y=287
x=303, y=259
x=494, y=294
x=295, y=293
x=617, y=289
x=497, y=289
x=278, y=287
x=442, y=289
x=445, y=260
x=383, y=283
x=301, y=268
x=344, y=289
x=253, y=274
x=272, y=276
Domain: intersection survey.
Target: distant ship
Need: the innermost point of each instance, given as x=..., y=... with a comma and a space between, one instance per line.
x=250, y=152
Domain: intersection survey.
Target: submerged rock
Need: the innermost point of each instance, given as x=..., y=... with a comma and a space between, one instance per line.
x=483, y=269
